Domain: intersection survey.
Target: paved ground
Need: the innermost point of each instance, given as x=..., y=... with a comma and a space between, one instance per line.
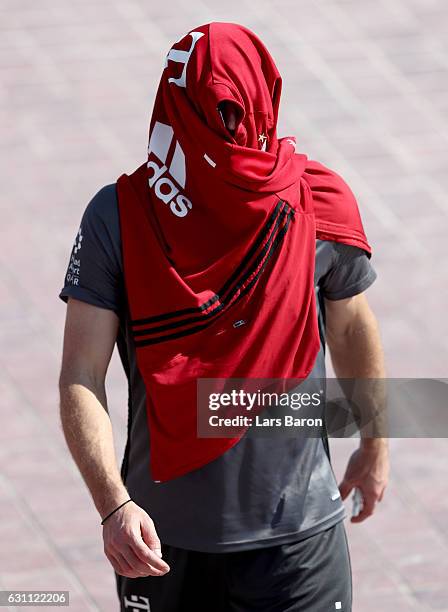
x=366, y=91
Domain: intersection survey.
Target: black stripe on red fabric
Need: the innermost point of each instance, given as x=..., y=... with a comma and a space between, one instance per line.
x=200, y=309
x=237, y=294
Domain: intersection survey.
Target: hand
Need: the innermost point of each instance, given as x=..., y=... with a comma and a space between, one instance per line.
x=131, y=543
x=368, y=470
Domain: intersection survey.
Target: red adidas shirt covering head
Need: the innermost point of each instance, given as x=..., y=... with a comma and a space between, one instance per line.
x=218, y=235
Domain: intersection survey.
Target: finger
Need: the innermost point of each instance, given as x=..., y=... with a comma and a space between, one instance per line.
x=129, y=570
x=128, y=562
x=143, y=569
x=150, y=538
x=362, y=516
x=120, y=565
x=345, y=488
x=148, y=556
x=368, y=508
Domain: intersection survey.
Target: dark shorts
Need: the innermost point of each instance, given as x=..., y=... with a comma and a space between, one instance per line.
x=311, y=575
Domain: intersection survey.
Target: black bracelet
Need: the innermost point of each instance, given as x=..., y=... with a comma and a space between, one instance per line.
x=110, y=513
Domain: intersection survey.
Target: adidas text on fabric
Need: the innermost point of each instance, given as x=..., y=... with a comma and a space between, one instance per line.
x=164, y=187
x=160, y=142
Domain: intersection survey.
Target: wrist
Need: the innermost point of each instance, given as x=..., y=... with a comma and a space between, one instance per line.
x=110, y=499
x=374, y=444
x=115, y=510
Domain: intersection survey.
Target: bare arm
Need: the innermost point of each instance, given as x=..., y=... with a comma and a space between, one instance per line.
x=89, y=340
x=353, y=338
x=130, y=539
x=355, y=346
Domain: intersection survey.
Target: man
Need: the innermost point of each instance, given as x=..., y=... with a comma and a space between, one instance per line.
x=248, y=523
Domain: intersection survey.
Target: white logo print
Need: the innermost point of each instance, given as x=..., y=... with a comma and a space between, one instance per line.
x=164, y=188
x=78, y=241
x=182, y=57
x=72, y=276
x=160, y=141
x=137, y=603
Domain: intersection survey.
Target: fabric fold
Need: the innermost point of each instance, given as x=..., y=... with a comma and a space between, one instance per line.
x=218, y=236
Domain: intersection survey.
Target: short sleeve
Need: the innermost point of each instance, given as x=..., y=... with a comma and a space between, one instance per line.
x=350, y=273
x=94, y=271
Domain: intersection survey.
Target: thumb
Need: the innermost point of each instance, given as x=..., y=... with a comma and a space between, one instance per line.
x=150, y=537
x=344, y=488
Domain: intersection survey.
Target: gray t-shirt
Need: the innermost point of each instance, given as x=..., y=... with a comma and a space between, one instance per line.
x=264, y=490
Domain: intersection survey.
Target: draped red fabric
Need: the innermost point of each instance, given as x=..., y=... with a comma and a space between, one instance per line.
x=218, y=235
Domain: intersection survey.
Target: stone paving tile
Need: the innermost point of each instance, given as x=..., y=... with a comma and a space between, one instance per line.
x=366, y=92
x=62, y=580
